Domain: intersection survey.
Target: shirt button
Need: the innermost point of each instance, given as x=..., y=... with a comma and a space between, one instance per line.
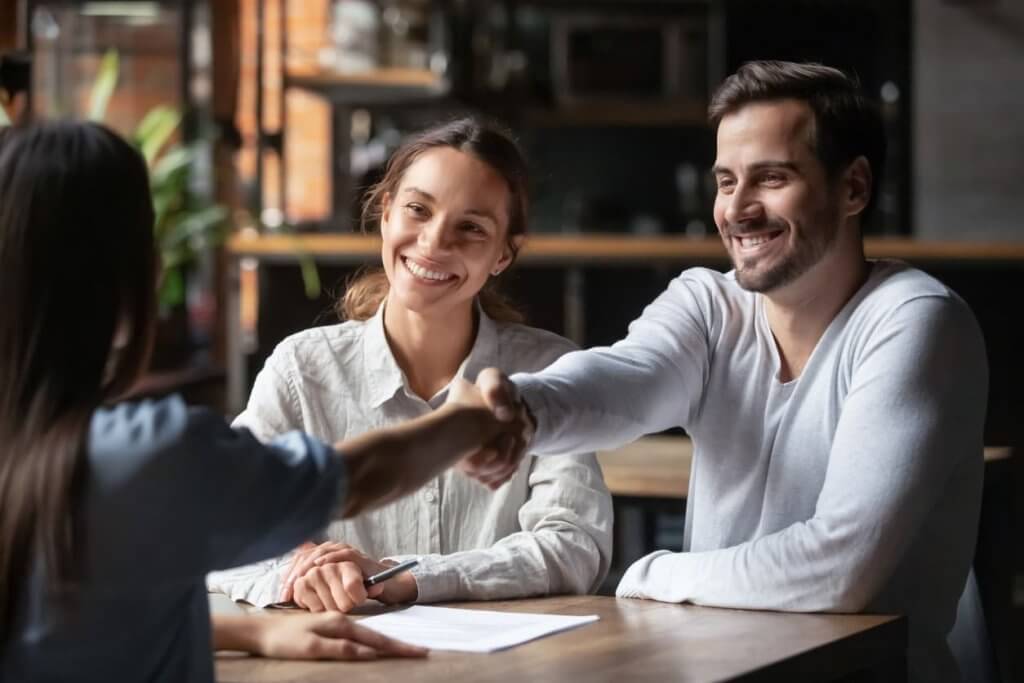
x=430, y=496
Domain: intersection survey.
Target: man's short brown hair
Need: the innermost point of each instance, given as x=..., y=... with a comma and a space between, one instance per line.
x=846, y=124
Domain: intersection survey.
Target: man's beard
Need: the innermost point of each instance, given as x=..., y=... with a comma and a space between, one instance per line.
x=805, y=254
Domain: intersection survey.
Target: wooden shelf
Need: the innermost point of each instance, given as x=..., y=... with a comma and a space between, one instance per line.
x=603, y=249
x=377, y=85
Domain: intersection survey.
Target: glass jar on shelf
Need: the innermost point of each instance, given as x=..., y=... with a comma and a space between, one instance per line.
x=406, y=28
x=353, y=37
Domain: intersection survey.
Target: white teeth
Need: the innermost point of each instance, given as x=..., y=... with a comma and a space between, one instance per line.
x=757, y=240
x=422, y=272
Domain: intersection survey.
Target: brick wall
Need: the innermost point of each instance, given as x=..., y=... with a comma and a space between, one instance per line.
x=307, y=149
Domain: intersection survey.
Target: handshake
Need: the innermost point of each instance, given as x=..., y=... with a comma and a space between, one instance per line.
x=496, y=459
x=483, y=427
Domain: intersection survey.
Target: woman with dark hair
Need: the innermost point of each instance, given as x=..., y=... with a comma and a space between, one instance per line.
x=111, y=514
x=452, y=210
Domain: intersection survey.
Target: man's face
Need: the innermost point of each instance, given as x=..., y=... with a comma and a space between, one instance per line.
x=776, y=210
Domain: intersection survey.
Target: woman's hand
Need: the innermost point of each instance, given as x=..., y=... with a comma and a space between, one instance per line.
x=497, y=461
x=305, y=636
x=329, y=577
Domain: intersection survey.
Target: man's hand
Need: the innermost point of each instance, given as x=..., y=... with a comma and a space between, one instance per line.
x=305, y=636
x=329, y=577
x=498, y=460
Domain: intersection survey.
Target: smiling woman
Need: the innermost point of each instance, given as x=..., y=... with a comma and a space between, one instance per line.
x=480, y=168
x=452, y=213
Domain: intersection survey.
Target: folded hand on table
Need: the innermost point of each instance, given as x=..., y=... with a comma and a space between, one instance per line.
x=329, y=577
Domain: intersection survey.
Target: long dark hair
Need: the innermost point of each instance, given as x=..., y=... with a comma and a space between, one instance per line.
x=76, y=259
x=488, y=142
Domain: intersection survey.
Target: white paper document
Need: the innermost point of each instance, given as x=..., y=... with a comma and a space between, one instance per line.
x=470, y=630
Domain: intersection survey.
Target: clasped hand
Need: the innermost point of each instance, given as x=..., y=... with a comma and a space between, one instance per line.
x=497, y=460
x=329, y=577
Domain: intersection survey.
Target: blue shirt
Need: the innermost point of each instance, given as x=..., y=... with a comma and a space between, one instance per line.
x=171, y=494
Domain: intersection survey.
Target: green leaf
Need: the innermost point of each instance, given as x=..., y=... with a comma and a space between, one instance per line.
x=307, y=266
x=172, y=288
x=156, y=128
x=175, y=160
x=165, y=205
x=310, y=276
x=168, y=204
x=103, y=86
x=202, y=225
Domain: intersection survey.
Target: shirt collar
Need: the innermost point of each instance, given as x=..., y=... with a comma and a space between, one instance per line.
x=484, y=353
x=385, y=378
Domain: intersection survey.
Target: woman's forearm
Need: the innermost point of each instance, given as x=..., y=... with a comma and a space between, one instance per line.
x=235, y=632
x=386, y=464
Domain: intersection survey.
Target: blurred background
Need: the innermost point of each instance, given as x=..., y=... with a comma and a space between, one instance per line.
x=264, y=121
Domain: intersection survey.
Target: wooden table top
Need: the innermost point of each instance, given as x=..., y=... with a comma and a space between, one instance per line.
x=634, y=640
x=651, y=467
x=659, y=466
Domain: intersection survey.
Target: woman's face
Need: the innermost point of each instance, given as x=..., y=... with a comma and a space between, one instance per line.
x=444, y=232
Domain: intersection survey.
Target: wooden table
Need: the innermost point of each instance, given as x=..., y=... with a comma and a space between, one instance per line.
x=650, y=467
x=659, y=467
x=637, y=640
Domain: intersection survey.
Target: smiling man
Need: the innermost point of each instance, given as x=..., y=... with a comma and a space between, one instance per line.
x=836, y=404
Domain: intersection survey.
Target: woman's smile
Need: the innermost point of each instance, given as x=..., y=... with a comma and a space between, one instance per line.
x=427, y=274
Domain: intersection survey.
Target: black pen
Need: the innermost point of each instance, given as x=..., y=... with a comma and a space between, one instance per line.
x=389, y=572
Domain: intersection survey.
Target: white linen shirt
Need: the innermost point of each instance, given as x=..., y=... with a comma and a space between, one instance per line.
x=547, y=531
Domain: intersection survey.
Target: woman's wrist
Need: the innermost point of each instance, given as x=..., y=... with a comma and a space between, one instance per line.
x=404, y=589
x=242, y=633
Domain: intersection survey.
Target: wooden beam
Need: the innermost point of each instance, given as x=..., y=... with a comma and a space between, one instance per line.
x=9, y=25
x=614, y=249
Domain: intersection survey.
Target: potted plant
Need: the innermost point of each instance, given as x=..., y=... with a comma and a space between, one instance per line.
x=187, y=224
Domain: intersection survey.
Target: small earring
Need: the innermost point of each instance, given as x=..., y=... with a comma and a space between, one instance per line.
x=496, y=272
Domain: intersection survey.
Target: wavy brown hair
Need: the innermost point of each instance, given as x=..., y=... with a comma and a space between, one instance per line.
x=488, y=142
x=76, y=259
